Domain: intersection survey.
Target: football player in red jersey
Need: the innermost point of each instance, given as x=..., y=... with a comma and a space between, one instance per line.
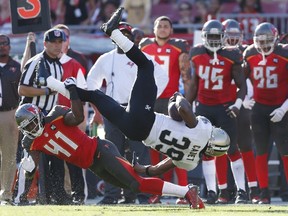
x=214, y=69
x=58, y=134
x=233, y=37
x=265, y=62
x=172, y=54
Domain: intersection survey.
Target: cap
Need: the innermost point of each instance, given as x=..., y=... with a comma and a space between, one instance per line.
x=53, y=34
x=125, y=26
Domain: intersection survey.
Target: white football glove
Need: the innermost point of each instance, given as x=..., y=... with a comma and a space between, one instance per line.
x=277, y=115
x=248, y=103
x=27, y=164
x=70, y=82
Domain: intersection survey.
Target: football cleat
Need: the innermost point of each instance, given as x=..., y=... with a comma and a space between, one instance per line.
x=264, y=196
x=42, y=73
x=241, y=197
x=155, y=199
x=211, y=197
x=192, y=197
x=254, y=195
x=181, y=201
x=223, y=197
x=113, y=22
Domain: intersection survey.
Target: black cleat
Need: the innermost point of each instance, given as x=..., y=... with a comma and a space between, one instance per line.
x=264, y=196
x=42, y=73
x=211, y=197
x=241, y=197
x=113, y=22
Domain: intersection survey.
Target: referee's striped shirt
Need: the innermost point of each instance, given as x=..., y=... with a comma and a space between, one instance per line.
x=44, y=102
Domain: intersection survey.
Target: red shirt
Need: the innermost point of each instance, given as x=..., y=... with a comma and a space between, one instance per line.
x=71, y=68
x=270, y=81
x=68, y=143
x=168, y=57
x=214, y=87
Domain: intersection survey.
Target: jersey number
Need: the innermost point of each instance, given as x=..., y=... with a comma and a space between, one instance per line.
x=56, y=148
x=164, y=61
x=265, y=78
x=211, y=76
x=171, y=152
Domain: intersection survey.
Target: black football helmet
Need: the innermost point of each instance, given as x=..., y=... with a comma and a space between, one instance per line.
x=265, y=38
x=213, y=35
x=233, y=34
x=29, y=119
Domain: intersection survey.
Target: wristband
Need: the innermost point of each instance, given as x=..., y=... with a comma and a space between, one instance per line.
x=47, y=91
x=238, y=103
x=147, y=171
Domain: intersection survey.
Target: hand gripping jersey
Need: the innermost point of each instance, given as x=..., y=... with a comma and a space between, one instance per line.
x=182, y=144
x=270, y=80
x=214, y=80
x=168, y=57
x=68, y=143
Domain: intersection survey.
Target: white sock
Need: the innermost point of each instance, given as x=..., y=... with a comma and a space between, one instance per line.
x=121, y=40
x=170, y=189
x=238, y=173
x=56, y=85
x=209, y=172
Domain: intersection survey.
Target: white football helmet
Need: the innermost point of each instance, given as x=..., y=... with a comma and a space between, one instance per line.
x=265, y=38
x=218, y=144
x=29, y=120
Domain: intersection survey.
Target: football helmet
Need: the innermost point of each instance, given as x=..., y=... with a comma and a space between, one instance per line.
x=212, y=35
x=29, y=119
x=233, y=35
x=218, y=144
x=265, y=38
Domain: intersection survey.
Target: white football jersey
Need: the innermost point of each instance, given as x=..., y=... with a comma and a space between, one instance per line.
x=182, y=144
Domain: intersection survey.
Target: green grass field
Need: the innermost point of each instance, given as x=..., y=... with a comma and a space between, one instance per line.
x=141, y=210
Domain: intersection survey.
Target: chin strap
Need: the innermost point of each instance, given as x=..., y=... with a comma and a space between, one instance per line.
x=263, y=61
x=215, y=60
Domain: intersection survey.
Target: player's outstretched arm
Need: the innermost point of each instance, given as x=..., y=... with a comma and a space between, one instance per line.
x=155, y=170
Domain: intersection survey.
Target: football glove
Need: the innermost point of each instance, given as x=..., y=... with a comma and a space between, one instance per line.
x=248, y=103
x=279, y=113
x=70, y=83
x=28, y=164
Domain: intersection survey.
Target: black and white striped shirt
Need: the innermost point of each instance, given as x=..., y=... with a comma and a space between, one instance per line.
x=44, y=102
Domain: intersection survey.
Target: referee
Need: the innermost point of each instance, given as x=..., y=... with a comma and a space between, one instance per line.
x=51, y=186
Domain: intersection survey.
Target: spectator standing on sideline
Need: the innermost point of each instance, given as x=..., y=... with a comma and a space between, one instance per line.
x=53, y=168
x=9, y=100
x=266, y=65
x=214, y=69
x=119, y=72
x=72, y=68
x=172, y=55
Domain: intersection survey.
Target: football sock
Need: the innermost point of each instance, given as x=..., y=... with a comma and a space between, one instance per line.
x=209, y=172
x=121, y=40
x=262, y=170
